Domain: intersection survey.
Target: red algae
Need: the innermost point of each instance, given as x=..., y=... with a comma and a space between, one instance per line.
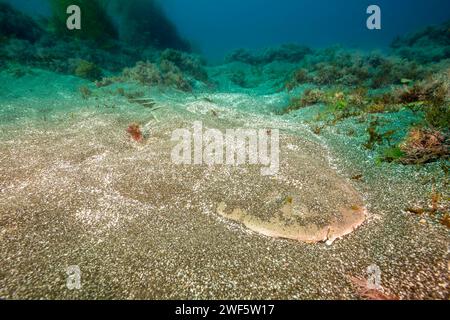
x=135, y=132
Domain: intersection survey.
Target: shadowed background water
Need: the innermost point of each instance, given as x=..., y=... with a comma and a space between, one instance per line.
x=217, y=27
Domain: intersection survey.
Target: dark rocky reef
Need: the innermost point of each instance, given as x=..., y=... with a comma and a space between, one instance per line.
x=431, y=44
x=96, y=48
x=286, y=52
x=15, y=24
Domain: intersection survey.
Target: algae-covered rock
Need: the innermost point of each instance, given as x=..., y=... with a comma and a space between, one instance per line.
x=88, y=70
x=151, y=74
x=188, y=63
x=432, y=44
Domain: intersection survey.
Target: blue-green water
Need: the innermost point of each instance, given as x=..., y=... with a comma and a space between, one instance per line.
x=221, y=26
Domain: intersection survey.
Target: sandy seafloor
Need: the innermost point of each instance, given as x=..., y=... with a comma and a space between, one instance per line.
x=76, y=190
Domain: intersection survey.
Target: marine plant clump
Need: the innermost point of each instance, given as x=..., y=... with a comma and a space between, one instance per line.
x=151, y=74
x=436, y=208
x=340, y=104
x=433, y=90
x=299, y=77
x=88, y=70
x=336, y=66
x=190, y=64
x=424, y=145
x=173, y=76
x=430, y=96
x=445, y=220
x=414, y=58
x=375, y=136
x=308, y=98
x=135, y=132
x=353, y=84
x=353, y=69
x=332, y=67
x=358, y=97
x=146, y=73
x=392, y=154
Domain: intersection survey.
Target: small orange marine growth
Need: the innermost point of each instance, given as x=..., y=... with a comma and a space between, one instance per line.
x=135, y=132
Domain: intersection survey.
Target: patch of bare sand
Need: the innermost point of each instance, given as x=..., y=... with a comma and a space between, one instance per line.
x=101, y=176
